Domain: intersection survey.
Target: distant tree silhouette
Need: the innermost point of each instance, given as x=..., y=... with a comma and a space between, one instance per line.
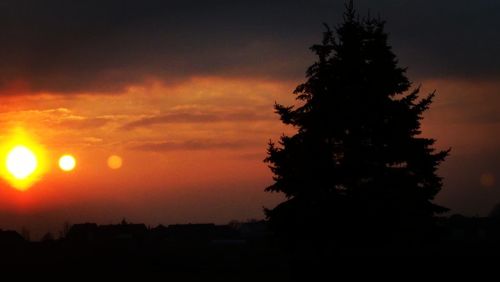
x=48, y=237
x=65, y=229
x=357, y=167
x=26, y=234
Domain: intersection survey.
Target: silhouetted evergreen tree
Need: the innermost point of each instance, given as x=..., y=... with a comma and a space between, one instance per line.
x=357, y=164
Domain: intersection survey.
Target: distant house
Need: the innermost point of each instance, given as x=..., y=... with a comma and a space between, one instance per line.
x=10, y=238
x=123, y=232
x=254, y=230
x=133, y=235
x=84, y=232
x=159, y=232
x=191, y=232
x=226, y=232
x=226, y=235
x=196, y=234
x=160, y=229
x=120, y=233
x=470, y=229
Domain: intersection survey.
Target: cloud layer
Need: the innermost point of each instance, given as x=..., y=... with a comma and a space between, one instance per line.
x=105, y=46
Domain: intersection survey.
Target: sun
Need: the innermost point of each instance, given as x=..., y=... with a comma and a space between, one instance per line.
x=21, y=162
x=24, y=159
x=67, y=162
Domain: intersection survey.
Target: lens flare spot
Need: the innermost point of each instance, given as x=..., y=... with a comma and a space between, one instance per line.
x=67, y=163
x=115, y=162
x=487, y=180
x=21, y=162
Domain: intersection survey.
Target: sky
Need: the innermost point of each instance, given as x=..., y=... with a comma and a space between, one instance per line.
x=183, y=92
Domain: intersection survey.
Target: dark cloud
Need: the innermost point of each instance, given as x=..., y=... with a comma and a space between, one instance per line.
x=195, y=145
x=103, y=46
x=208, y=117
x=449, y=38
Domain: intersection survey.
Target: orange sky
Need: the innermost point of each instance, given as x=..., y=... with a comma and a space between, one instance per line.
x=192, y=151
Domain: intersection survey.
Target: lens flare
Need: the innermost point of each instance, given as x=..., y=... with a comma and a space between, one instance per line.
x=67, y=162
x=115, y=162
x=487, y=180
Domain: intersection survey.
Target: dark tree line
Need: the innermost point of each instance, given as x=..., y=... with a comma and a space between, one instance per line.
x=357, y=167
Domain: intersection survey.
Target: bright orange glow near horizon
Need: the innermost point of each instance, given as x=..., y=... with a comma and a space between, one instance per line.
x=150, y=153
x=24, y=161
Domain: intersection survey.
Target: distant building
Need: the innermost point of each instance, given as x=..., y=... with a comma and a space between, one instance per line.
x=123, y=232
x=120, y=233
x=226, y=235
x=10, y=238
x=84, y=232
x=133, y=235
x=191, y=232
x=254, y=230
x=159, y=232
x=459, y=228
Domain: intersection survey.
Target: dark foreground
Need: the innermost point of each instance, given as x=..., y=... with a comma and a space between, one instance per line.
x=206, y=252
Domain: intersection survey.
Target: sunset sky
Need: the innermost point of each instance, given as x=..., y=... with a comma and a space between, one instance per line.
x=183, y=92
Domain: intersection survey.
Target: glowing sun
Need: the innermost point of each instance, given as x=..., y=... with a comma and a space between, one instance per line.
x=21, y=162
x=67, y=163
x=24, y=160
